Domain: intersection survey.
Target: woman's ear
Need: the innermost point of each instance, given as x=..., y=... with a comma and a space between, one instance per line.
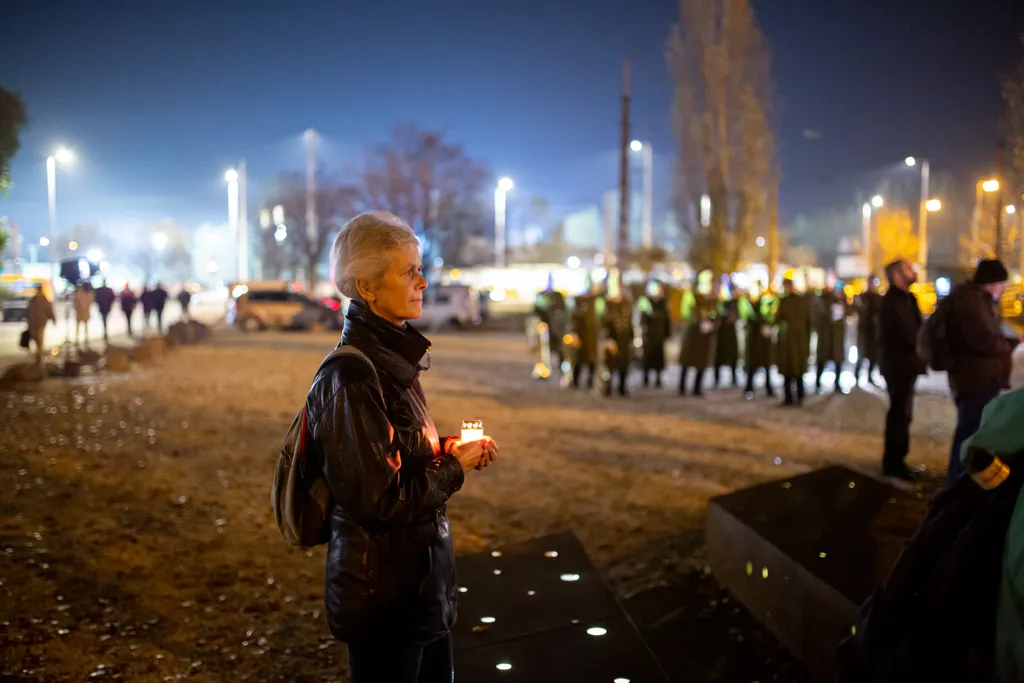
x=363, y=287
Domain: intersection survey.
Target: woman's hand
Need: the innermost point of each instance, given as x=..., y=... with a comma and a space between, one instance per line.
x=490, y=453
x=469, y=453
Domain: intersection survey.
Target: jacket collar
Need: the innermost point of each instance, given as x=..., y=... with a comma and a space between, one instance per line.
x=399, y=351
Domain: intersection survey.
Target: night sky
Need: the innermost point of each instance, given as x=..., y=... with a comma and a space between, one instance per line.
x=158, y=98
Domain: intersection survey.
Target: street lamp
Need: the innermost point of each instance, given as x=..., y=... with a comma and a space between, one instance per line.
x=759, y=241
x=877, y=201
x=73, y=245
x=933, y=205
x=1011, y=209
x=922, y=220
x=66, y=157
x=991, y=185
x=503, y=187
x=647, y=227
x=44, y=241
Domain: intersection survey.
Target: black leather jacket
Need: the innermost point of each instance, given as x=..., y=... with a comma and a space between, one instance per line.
x=390, y=562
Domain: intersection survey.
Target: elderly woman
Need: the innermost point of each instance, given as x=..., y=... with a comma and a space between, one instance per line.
x=390, y=588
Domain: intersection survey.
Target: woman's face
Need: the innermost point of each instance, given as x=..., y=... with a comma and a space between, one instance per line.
x=399, y=295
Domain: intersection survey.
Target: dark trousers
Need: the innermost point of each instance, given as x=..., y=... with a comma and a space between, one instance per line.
x=160, y=320
x=870, y=362
x=657, y=377
x=793, y=385
x=103, y=317
x=820, y=369
x=751, y=373
x=184, y=312
x=897, y=422
x=379, y=661
x=623, y=376
x=577, y=370
x=968, y=419
x=128, y=319
x=698, y=380
x=718, y=375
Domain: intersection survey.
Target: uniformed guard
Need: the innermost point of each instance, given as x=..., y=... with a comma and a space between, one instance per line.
x=868, y=304
x=830, y=312
x=616, y=319
x=550, y=309
x=793, y=319
x=727, y=346
x=656, y=328
x=699, y=314
x=584, y=335
x=758, y=312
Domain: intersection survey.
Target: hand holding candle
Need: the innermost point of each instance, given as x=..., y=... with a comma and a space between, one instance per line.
x=472, y=430
x=474, y=449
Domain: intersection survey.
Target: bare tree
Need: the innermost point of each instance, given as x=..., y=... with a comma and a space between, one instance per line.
x=425, y=180
x=335, y=204
x=722, y=119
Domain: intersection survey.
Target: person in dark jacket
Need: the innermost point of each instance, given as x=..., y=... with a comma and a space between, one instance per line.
x=980, y=349
x=830, y=311
x=700, y=316
x=616, y=315
x=727, y=345
x=656, y=328
x=585, y=331
x=146, y=299
x=128, y=303
x=184, y=299
x=390, y=590
x=550, y=308
x=758, y=312
x=159, y=297
x=899, y=322
x=867, y=305
x=793, y=319
x=104, y=297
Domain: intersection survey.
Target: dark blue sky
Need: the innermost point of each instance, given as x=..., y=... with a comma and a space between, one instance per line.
x=158, y=98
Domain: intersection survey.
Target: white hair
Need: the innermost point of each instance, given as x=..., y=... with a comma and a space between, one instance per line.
x=362, y=250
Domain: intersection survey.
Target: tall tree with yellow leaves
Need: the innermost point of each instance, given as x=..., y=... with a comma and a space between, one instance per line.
x=896, y=237
x=723, y=123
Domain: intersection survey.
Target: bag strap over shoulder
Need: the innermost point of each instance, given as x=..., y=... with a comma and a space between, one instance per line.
x=347, y=350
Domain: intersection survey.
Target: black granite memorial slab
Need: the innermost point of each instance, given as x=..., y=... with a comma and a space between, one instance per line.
x=803, y=553
x=602, y=651
x=526, y=588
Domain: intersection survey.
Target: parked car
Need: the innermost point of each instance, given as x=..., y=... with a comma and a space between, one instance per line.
x=260, y=309
x=15, y=292
x=449, y=306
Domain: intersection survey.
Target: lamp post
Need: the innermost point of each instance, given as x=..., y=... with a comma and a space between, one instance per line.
x=981, y=189
x=867, y=231
x=922, y=221
x=63, y=156
x=231, y=176
x=503, y=187
x=647, y=229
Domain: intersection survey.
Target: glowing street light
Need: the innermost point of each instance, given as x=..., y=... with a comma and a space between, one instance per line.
x=64, y=156
x=1011, y=209
x=933, y=205
x=991, y=185
x=73, y=245
x=44, y=241
x=759, y=241
x=646, y=221
x=877, y=201
x=231, y=176
x=159, y=241
x=636, y=145
x=504, y=186
x=910, y=161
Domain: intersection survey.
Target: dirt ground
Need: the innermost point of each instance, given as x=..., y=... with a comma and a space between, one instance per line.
x=137, y=540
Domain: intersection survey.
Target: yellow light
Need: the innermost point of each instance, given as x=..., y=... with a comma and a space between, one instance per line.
x=72, y=246
x=991, y=185
x=933, y=205
x=472, y=430
x=1011, y=209
x=455, y=274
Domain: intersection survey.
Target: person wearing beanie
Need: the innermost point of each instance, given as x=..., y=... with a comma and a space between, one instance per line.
x=980, y=349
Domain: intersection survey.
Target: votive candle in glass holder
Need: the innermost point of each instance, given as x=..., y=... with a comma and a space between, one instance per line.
x=472, y=430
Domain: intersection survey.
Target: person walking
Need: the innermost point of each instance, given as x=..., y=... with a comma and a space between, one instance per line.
x=159, y=297
x=390, y=590
x=655, y=329
x=758, y=312
x=793, y=319
x=184, y=299
x=868, y=304
x=40, y=312
x=82, y=301
x=146, y=299
x=105, y=298
x=980, y=352
x=128, y=303
x=899, y=323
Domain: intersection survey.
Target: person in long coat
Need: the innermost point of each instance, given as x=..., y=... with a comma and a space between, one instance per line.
x=699, y=314
x=82, y=300
x=656, y=328
x=793, y=319
x=868, y=305
x=616, y=315
x=128, y=303
x=727, y=347
x=550, y=308
x=758, y=311
x=584, y=330
x=40, y=312
x=830, y=312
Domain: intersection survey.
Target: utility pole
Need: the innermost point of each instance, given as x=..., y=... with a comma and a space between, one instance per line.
x=922, y=221
x=624, y=170
x=1000, y=176
x=312, y=234
x=773, y=234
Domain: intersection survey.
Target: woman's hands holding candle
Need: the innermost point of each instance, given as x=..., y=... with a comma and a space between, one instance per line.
x=474, y=455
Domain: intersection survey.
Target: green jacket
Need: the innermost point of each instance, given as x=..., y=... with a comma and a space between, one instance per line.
x=1001, y=432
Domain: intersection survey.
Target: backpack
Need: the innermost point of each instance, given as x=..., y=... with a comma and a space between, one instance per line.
x=935, y=617
x=933, y=339
x=299, y=495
